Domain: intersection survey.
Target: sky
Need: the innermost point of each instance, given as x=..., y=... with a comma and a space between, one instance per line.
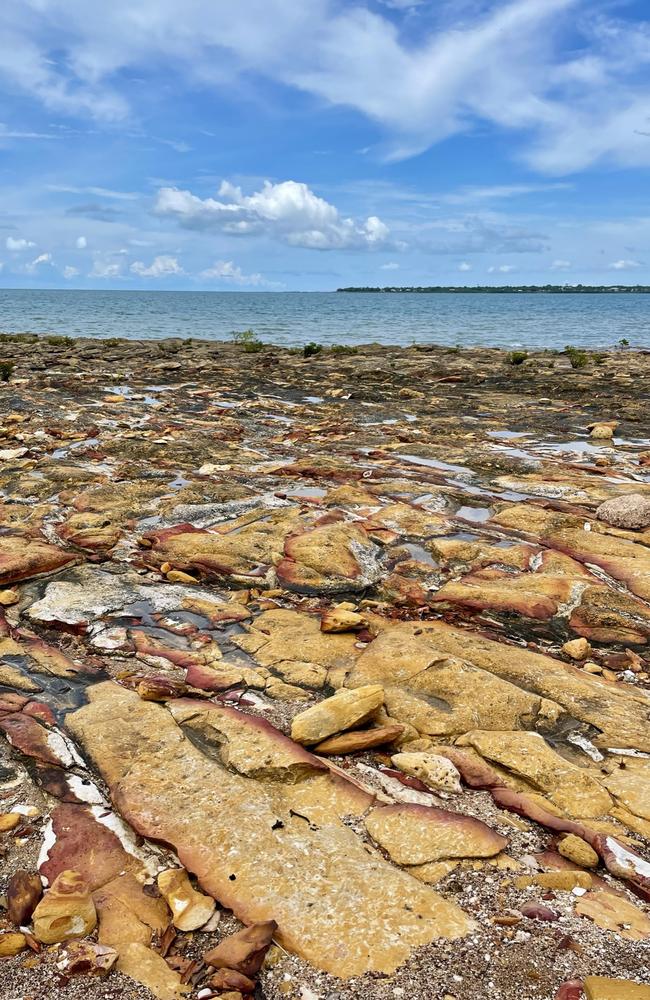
x=275, y=145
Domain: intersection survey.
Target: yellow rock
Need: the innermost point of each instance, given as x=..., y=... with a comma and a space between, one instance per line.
x=578, y=850
x=601, y=988
x=285, y=692
x=12, y=944
x=602, y=432
x=563, y=880
x=8, y=597
x=527, y=755
x=340, y=620
x=177, y=576
x=190, y=909
x=151, y=970
x=435, y=771
x=615, y=913
x=345, y=709
x=577, y=649
x=65, y=911
x=9, y=821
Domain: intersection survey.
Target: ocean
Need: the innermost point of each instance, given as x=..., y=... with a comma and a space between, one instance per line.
x=295, y=318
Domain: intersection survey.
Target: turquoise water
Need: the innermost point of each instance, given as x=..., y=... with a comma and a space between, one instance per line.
x=294, y=318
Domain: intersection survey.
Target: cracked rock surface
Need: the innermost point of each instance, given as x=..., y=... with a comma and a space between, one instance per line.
x=333, y=668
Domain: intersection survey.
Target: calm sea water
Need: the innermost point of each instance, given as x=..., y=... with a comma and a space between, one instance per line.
x=294, y=318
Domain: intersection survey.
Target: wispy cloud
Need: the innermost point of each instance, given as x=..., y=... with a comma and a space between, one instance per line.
x=230, y=273
x=571, y=82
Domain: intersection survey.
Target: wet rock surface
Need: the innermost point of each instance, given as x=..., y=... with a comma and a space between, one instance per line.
x=323, y=677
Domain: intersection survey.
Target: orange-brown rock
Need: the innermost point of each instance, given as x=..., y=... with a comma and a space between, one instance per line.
x=243, y=951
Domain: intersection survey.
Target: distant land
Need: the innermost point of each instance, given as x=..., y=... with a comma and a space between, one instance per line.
x=500, y=289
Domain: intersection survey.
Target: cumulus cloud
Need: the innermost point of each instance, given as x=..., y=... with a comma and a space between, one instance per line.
x=226, y=270
x=464, y=266
x=560, y=265
x=107, y=267
x=288, y=211
x=81, y=243
x=502, y=269
x=570, y=81
x=43, y=258
x=70, y=272
x=625, y=265
x=161, y=267
x=16, y=245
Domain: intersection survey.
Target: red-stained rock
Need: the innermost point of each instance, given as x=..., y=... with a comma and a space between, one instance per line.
x=23, y=558
x=244, y=951
x=571, y=990
x=34, y=740
x=86, y=844
x=23, y=894
x=537, y=911
x=329, y=559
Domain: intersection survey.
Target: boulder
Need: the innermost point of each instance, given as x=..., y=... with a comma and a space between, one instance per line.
x=631, y=512
x=435, y=771
x=416, y=835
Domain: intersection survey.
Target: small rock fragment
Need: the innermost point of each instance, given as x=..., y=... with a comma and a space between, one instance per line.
x=359, y=739
x=347, y=708
x=571, y=990
x=340, y=620
x=244, y=951
x=23, y=894
x=12, y=944
x=230, y=979
x=9, y=821
x=435, y=771
x=565, y=880
x=88, y=958
x=577, y=649
x=65, y=911
x=601, y=432
x=9, y=597
x=190, y=909
x=537, y=911
x=576, y=849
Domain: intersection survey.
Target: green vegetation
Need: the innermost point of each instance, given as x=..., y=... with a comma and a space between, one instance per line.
x=343, y=349
x=58, y=341
x=6, y=370
x=578, y=358
x=311, y=349
x=112, y=342
x=623, y=342
x=248, y=340
x=18, y=338
x=517, y=357
x=501, y=289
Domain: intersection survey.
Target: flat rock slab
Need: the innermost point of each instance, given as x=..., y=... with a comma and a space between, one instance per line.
x=337, y=902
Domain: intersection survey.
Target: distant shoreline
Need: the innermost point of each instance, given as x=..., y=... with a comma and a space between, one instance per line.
x=506, y=289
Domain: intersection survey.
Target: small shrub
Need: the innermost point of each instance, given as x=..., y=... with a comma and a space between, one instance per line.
x=578, y=358
x=599, y=358
x=517, y=357
x=343, y=349
x=112, y=342
x=6, y=370
x=311, y=348
x=247, y=340
x=623, y=342
x=58, y=341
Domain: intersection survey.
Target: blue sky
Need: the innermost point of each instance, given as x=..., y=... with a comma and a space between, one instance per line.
x=271, y=144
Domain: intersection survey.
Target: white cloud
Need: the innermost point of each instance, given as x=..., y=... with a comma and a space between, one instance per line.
x=106, y=267
x=502, y=269
x=70, y=272
x=571, y=81
x=391, y=265
x=160, y=267
x=43, y=258
x=16, y=245
x=226, y=270
x=464, y=266
x=288, y=211
x=560, y=265
x=81, y=243
x=625, y=265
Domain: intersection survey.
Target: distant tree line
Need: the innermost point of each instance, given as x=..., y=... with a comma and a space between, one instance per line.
x=497, y=289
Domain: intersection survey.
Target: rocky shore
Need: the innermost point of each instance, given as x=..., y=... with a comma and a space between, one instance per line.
x=323, y=677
